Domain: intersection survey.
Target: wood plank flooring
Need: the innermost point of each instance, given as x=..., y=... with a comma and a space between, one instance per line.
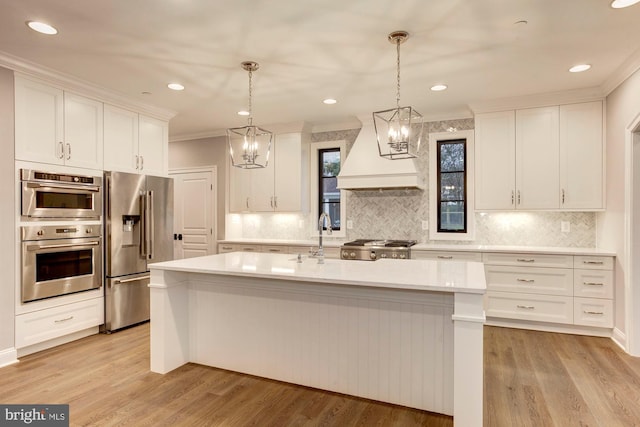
x=531, y=379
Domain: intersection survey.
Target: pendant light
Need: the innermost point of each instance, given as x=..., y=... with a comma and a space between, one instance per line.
x=249, y=146
x=398, y=130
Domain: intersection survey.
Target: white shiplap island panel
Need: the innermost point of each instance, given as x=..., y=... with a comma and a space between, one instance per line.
x=407, y=332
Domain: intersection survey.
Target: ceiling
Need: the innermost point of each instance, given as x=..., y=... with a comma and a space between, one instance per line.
x=315, y=49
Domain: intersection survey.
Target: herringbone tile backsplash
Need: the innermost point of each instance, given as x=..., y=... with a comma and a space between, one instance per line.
x=398, y=214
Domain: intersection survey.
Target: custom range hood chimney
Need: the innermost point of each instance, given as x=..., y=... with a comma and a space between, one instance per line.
x=364, y=169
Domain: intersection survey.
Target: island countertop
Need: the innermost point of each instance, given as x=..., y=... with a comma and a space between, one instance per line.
x=427, y=275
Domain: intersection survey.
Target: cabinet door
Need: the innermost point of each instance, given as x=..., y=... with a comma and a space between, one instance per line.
x=262, y=184
x=288, y=180
x=581, y=158
x=120, y=139
x=239, y=189
x=83, y=131
x=153, y=146
x=537, y=158
x=495, y=173
x=39, y=122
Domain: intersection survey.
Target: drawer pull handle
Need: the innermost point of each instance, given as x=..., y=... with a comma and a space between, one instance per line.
x=274, y=250
x=63, y=320
x=526, y=307
x=227, y=248
x=593, y=262
x=445, y=257
x=592, y=284
x=526, y=280
x=600, y=313
x=526, y=260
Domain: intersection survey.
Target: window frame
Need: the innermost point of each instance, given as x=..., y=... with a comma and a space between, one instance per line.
x=434, y=189
x=314, y=185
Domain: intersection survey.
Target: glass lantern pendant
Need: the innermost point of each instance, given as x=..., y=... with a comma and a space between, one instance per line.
x=249, y=146
x=398, y=130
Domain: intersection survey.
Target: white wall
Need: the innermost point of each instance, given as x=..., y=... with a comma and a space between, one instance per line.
x=204, y=152
x=623, y=105
x=7, y=221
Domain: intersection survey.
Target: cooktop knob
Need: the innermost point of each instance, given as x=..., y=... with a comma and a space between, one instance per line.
x=372, y=255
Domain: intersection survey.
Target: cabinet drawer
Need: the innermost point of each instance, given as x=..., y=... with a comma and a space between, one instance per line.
x=542, y=308
x=274, y=249
x=593, y=262
x=447, y=256
x=39, y=326
x=248, y=248
x=530, y=260
x=223, y=248
x=593, y=283
x=593, y=312
x=550, y=281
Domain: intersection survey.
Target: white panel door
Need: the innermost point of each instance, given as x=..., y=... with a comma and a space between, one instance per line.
x=537, y=158
x=193, y=214
x=495, y=170
x=83, y=131
x=581, y=156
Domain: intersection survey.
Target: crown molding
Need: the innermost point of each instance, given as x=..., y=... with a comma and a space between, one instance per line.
x=539, y=100
x=622, y=73
x=83, y=87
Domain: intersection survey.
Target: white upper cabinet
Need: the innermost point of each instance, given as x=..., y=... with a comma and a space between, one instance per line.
x=57, y=127
x=545, y=158
x=279, y=187
x=120, y=139
x=134, y=143
x=495, y=168
x=153, y=146
x=537, y=158
x=581, y=156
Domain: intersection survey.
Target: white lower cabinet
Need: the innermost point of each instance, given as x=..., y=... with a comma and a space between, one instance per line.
x=552, y=288
x=446, y=255
x=541, y=308
x=43, y=325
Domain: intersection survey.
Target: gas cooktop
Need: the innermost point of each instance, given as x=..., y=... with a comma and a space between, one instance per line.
x=372, y=249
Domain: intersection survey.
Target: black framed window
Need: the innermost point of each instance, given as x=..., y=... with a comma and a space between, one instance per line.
x=328, y=193
x=452, y=186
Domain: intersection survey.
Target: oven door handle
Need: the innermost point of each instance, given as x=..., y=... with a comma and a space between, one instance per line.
x=65, y=245
x=136, y=279
x=78, y=188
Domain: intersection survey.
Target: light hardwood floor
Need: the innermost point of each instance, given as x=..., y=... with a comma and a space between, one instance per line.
x=531, y=379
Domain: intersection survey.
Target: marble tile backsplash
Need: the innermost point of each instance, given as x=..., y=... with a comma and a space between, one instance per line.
x=398, y=214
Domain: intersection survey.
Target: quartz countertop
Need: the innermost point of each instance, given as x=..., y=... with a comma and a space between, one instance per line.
x=427, y=275
x=328, y=242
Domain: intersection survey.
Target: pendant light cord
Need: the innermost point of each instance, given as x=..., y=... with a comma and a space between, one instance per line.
x=398, y=68
x=250, y=118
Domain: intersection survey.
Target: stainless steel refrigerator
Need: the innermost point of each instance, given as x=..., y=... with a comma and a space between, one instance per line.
x=138, y=230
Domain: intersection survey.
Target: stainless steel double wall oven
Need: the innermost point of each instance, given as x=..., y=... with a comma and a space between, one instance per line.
x=63, y=255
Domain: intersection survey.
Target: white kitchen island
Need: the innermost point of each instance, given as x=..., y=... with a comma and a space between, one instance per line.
x=408, y=332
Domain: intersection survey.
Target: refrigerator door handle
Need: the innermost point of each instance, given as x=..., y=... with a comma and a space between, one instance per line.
x=151, y=225
x=143, y=225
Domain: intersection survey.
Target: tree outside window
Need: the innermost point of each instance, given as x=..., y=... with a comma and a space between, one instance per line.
x=328, y=193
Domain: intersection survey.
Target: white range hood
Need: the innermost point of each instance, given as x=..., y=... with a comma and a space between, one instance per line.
x=364, y=169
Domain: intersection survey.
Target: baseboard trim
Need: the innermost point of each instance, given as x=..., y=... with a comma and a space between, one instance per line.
x=8, y=357
x=620, y=338
x=550, y=327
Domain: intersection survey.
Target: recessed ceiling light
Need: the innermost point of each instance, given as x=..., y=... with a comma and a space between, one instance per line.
x=439, y=87
x=42, y=28
x=175, y=86
x=329, y=101
x=579, y=68
x=243, y=113
x=619, y=4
